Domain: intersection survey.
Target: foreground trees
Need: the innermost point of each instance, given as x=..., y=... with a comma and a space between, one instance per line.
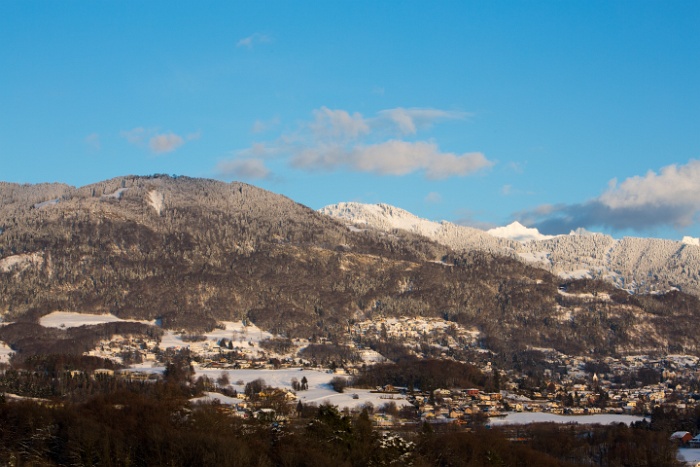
x=158, y=426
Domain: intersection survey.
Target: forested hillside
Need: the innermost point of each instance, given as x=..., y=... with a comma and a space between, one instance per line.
x=191, y=252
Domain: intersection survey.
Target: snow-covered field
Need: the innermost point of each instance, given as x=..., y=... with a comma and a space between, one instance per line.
x=524, y=418
x=234, y=330
x=70, y=319
x=689, y=456
x=319, y=390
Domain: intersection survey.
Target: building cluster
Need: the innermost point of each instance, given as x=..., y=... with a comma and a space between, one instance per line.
x=415, y=330
x=568, y=385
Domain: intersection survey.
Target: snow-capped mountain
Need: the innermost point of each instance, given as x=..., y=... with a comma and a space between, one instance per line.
x=191, y=253
x=386, y=217
x=691, y=241
x=635, y=264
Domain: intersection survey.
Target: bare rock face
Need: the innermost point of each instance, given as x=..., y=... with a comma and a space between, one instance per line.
x=191, y=252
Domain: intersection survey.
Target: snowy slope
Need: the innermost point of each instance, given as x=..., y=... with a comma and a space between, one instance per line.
x=385, y=217
x=635, y=264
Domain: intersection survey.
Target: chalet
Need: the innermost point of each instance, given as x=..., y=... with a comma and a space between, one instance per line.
x=681, y=437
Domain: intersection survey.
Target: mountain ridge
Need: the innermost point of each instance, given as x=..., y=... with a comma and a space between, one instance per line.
x=631, y=263
x=191, y=253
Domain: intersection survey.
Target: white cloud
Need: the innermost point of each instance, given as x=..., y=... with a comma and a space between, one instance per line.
x=243, y=168
x=261, y=126
x=401, y=157
x=338, y=124
x=320, y=157
x=445, y=165
x=392, y=157
x=136, y=135
x=92, y=141
x=256, y=38
x=667, y=198
x=433, y=198
x=166, y=142
x=158, y=143
x=673, y=186
x=408, y=121
x=336, y=139
x=193, y=136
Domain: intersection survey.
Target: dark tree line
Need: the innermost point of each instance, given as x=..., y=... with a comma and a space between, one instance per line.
x=158, y=427
x=419, y=374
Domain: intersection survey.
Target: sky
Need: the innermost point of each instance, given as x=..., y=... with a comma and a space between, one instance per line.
x=561, y=115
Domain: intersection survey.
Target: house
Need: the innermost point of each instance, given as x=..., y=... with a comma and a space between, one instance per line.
x=695, y=442
x=681, y=437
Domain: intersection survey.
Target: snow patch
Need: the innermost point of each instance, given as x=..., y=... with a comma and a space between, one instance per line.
x=20, y=262
x=526, y=418
x=5, y=352
x=576, y=274
x=210, y=397
x=691, y=456
x=115, y=195
x=240, y=335
x=535, y=257
x=691, y=241
x=156, y=200
x=71, y=319
x=382, y=215
x=582, y=232
x=319, y=391
x=50, y=202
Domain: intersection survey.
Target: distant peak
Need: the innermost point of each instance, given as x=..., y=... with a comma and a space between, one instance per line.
x=691, y=241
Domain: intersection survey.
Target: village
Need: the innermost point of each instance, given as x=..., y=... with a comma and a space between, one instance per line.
x=239, y=352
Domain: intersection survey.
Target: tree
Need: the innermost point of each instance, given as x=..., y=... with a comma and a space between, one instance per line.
x=254, y=388
x=223, y=380
x=338, y=383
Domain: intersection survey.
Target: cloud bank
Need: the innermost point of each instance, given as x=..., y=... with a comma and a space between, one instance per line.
x=392, y=158
x=336, y=139
x=668, y=198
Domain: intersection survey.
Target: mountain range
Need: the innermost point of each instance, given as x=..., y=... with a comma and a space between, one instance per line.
x=639, y=265
x=189, y=253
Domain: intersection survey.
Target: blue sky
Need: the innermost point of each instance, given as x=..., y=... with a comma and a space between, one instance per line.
x=558, y=114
